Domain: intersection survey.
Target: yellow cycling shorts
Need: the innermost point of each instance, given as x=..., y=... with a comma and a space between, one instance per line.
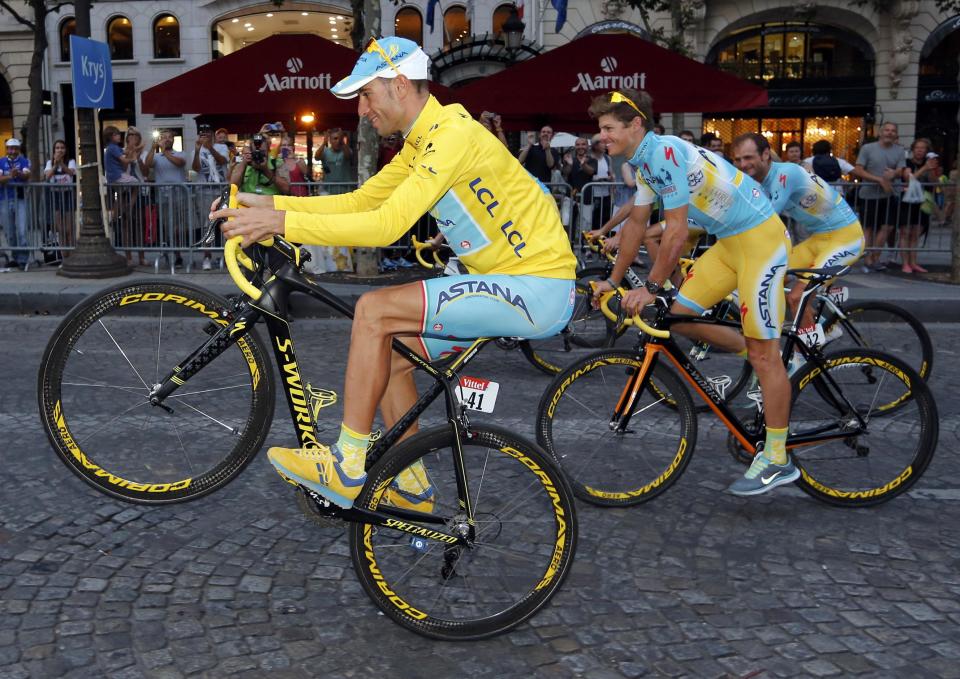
x=840, y=247
x=752, y=262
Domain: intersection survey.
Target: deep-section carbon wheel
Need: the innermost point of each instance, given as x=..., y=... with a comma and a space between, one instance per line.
x=885, y=327
x=870, y=462
x=518, y=551
x=608, y=465
x=106, y=356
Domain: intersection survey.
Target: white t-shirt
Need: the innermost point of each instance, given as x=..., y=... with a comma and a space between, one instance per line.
x=60, y=177
x=845, y=167
x=210, y=170
x=602, y=175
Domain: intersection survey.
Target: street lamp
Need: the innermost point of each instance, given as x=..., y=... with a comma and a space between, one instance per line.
x=513, y=30
x=307, y=121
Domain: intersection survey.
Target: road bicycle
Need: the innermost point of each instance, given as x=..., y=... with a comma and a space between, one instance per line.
x=863, y=424
x=844, y=323
x=159, y=392
x=549, y=354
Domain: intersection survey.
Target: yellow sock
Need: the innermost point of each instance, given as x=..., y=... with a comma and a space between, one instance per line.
x=353, y=446
x=775, y=447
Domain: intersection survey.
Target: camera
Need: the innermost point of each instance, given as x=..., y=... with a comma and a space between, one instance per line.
x=203, y=128
x=257, y=154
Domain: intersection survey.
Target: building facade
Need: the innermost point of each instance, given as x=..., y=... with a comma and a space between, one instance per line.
x=833, y=71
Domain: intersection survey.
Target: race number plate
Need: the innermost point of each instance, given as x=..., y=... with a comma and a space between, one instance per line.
x=839, y=293
x=477, y=393
x=812, y=335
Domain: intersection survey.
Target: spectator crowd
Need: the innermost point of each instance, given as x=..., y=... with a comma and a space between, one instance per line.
x=157, y=195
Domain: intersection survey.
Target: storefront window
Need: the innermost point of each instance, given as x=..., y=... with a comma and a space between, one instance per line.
x=795, y=55
x=120, y=38
x=67, y=28
x=843, y=132
x=456, y=24
x=409, y=24
x=792, y=51
x=500, y=16
x=772, y=56
x=166, y=37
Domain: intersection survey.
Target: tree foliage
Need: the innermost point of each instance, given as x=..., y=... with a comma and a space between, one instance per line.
x=683, y=15
x=36, y=21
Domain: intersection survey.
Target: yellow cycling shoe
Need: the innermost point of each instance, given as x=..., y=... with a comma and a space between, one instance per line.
x=412, y=489
x=321, y=470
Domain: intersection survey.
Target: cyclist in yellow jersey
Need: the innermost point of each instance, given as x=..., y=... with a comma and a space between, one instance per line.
x=500, y=221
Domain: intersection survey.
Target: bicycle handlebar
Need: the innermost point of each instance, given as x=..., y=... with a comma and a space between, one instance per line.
x=605, y=309
x=418, y=247
x=233, y=256
x=598, y=246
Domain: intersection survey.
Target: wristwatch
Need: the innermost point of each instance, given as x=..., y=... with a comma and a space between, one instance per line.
x=653, y=288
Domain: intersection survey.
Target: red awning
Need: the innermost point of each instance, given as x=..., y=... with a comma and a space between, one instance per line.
x=557, y=86
x=277, y=78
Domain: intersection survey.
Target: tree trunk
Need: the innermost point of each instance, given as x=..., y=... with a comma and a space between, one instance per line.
x=31, y=129
x=94, y=256
x=366, y=24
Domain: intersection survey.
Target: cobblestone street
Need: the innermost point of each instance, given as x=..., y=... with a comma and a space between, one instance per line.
x=697, y=583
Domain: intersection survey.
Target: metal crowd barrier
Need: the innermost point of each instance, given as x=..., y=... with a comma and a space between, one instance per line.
x=928, y=221
x=157, y=223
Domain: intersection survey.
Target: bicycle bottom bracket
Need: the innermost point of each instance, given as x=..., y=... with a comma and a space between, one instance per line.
x=309, y=505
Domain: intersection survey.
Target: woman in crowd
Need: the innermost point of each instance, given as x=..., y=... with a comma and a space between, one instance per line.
x=60, y=171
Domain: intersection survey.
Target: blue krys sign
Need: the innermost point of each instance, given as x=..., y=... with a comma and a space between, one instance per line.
x=92, y=76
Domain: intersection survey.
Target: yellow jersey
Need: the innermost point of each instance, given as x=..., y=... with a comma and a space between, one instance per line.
x=494, y=214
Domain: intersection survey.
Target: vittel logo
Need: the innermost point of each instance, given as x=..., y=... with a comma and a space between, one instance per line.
x=590, y=83
x=279, y=83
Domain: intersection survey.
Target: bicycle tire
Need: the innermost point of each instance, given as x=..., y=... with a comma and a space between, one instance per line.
x=888, y=335
x=611, y=469
x=550, y=354
x=110, y=435
x=849, y=472
x=518, y=495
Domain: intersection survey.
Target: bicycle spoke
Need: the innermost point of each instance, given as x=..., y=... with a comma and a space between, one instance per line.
x=88, y=437
x=232, y=430
x=123, y=353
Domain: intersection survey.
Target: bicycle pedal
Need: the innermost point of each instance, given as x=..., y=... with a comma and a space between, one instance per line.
x=317, y=510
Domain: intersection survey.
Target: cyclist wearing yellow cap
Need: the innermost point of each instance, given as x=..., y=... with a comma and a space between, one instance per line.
x=498, y=219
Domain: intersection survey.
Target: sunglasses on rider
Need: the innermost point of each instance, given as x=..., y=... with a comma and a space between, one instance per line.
x=617, y=98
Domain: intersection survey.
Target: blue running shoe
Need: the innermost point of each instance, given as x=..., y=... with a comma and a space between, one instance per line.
x=763, y=475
